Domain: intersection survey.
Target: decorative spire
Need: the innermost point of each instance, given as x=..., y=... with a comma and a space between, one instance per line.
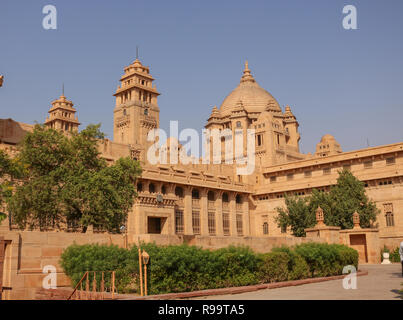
x=247, y=76
x=356, y=220
x=289, y=116
x=320, y=216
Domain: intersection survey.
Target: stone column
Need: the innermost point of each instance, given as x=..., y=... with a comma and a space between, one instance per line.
x=218, y=210
x=203, y=213
x=187, y=211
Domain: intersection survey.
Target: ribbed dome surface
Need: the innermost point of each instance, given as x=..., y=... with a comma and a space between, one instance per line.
x=254, y=98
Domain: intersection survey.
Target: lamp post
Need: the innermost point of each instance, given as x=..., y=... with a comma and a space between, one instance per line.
x=140, y=271
x=146, y=258
x=123, y=229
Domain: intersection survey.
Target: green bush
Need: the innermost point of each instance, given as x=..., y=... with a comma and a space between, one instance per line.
x=394, y=255
x=297, y=266
x=188, y=268
x=274, y=267
x=327, y=259
x=77, y=259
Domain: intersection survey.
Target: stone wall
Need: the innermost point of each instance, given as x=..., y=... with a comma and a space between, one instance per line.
x=28, y=252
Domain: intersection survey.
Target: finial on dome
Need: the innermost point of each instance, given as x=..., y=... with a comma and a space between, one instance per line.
x=247, y=76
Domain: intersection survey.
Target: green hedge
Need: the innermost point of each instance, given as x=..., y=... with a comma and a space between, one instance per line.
x=394, y=255
x=327, y=259
x=187, y=268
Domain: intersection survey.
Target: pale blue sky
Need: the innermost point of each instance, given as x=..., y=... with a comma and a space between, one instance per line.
x=348, y=83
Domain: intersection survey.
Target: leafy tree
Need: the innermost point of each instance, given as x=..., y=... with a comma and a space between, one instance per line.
x=66, y=181
x=348, y=196
x=296, y=215
x=9, y=170
x=344, y=198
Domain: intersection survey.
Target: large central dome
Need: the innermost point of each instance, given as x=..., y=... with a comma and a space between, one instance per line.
x=253, y=97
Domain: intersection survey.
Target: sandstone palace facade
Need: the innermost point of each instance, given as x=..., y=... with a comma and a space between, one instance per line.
x=210, y=204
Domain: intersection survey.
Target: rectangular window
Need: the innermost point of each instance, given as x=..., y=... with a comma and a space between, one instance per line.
x=308, y=174
x=265, y=228
x=196, y=222
x=273, y=179
x=179, y=222
x=211, y=223
x=389, y=219
x=290, y=176
x=283, y=229
x=259, y=139
x=390, y=160
x=225, y=223
x=368, y=164
x=239, y=226
x=326, y=171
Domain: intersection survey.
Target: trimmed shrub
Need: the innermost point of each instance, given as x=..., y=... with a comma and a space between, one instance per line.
x=188, y=268
x=297, y=266
x=394, y=255
x=274, y=267
x=327, y=259
x=77, y=259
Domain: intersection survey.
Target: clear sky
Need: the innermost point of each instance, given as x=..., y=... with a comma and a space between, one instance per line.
x=348, y=83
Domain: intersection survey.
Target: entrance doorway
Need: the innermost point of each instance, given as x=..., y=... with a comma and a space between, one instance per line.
x=359, y=243
x=154, y=225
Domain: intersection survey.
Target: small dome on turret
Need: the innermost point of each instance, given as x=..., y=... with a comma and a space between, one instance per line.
x=327, y=146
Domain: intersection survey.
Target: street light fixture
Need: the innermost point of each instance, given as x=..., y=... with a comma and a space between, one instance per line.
x=146, y=258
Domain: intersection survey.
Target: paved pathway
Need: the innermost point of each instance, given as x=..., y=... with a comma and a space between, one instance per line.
x=382, y=282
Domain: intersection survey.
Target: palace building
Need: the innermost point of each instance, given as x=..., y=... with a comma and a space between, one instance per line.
x=211, y=199
x=210, y=204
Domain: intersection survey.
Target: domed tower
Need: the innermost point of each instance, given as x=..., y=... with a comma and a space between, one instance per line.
x=62, y=115
x=327, y=146
x=249, y=106
x=136, y=110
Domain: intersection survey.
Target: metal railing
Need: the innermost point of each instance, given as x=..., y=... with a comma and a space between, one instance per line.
x=97, y=292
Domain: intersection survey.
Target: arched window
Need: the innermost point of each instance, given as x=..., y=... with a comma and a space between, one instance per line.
x=146, y=112
x=163, y=190
x=179, y=192
x=238, y=199
x=139, y=187
x=151, y=188
x=210, y=196
x=195, y=194
x=265, y=228
x=225, y=197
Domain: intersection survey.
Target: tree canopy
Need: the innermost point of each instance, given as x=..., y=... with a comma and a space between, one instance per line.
x=64, y=180
x=339, y=204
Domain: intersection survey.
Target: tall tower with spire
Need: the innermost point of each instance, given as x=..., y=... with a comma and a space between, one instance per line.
x=136, y=109
x=62, y=115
